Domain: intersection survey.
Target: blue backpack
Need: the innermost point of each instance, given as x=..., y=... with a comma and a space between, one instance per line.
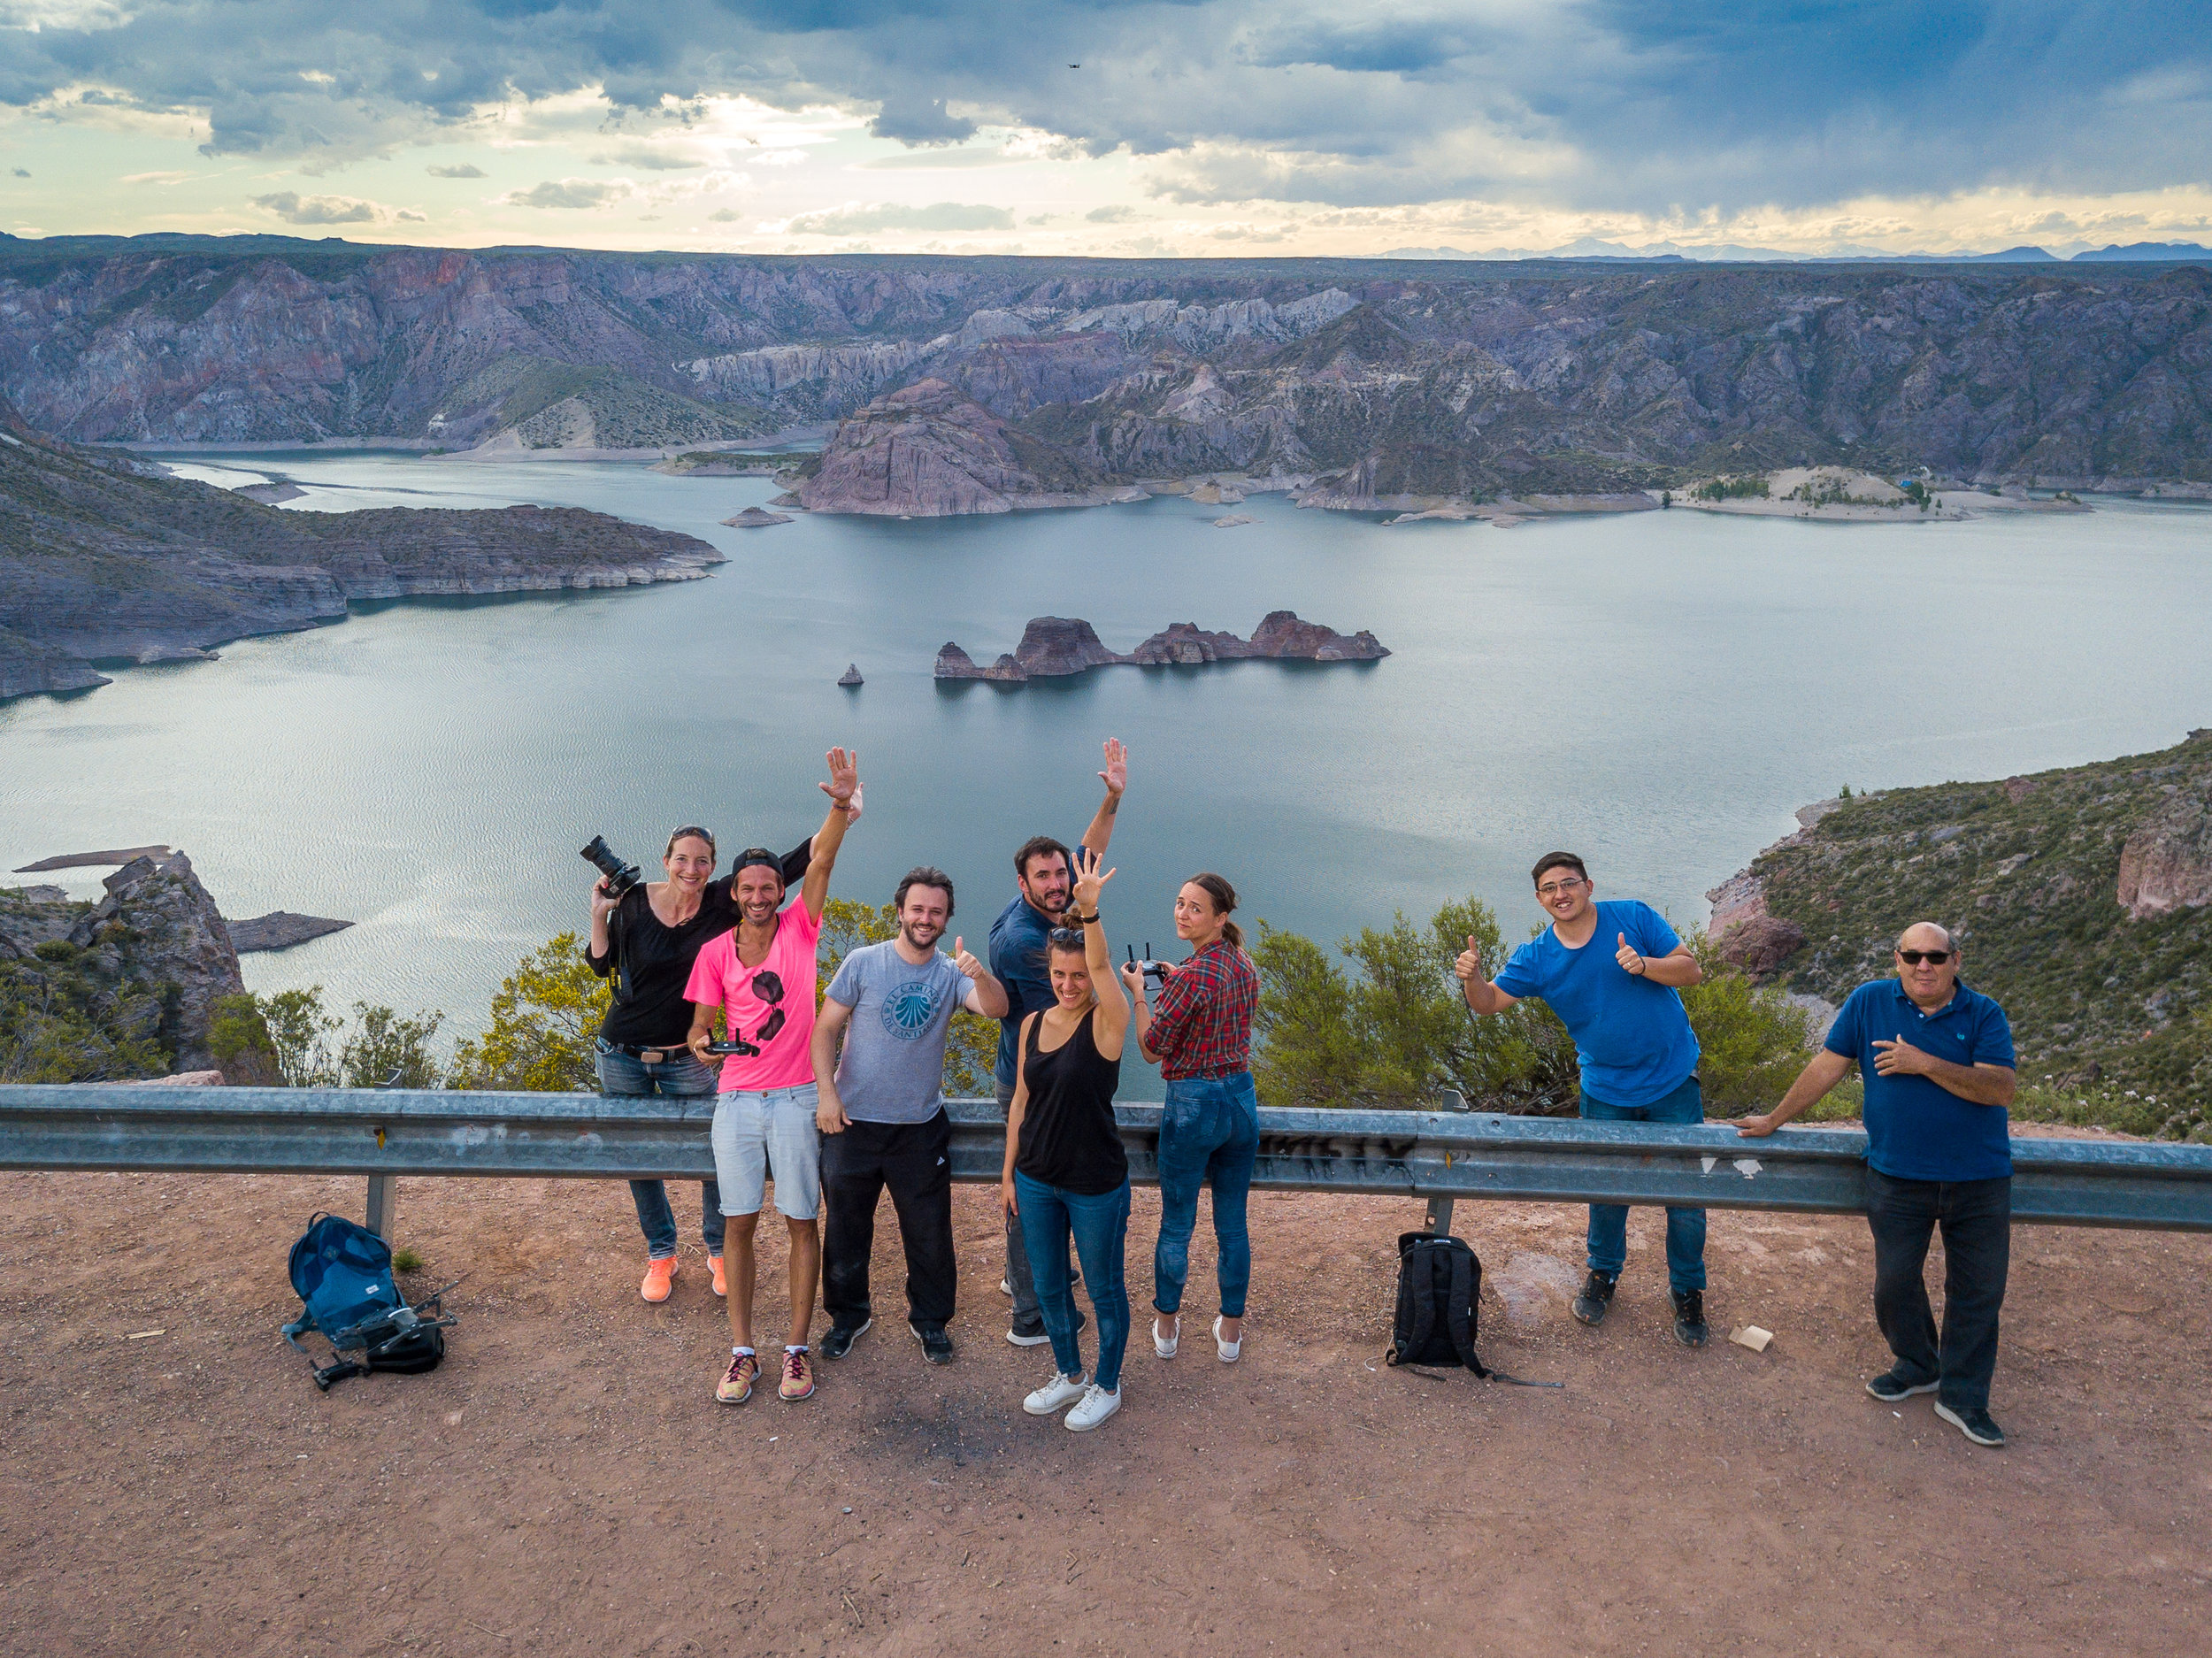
x=342, y=1274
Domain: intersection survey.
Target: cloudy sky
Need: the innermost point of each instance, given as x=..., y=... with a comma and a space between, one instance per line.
x=1212, y=127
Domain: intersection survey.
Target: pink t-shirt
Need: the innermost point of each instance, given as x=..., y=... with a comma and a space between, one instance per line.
x=786, y=1059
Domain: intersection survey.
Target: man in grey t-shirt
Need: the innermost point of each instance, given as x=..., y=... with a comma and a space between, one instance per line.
x=882, y=1116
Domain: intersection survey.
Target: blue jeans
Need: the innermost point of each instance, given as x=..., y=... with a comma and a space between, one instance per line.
x=679, y=1076
x=1101, y=1226
x=1685, y=1227
x=1209, y=1135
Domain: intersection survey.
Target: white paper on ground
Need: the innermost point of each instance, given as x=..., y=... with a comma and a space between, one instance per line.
x=1751, y=1336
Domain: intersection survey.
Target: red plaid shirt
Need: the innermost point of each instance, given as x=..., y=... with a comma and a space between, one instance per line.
x=1202, y=1026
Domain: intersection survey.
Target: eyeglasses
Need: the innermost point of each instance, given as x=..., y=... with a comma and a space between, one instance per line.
x=1934, y=958
x=769, y=988
x=1552, y=889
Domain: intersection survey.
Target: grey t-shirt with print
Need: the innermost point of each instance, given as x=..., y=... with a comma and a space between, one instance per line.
x=892, y=1068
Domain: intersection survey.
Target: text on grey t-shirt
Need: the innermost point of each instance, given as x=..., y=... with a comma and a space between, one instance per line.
x=892, y=1068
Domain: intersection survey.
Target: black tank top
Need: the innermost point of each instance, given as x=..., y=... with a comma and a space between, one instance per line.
x=1068, y=1137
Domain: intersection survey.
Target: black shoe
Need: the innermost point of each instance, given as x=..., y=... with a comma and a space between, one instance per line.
x=1038, y=1337
x=1596, y=1296
x=1689, y=1317
x=840, y=1340
x=1974, y=1423
x=1892, y=1387
x=936, y=1344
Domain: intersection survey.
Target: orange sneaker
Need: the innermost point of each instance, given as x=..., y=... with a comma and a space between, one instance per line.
x=721, y=1287
x=798, y=1376
x=660, y=1275
x=736, y=1385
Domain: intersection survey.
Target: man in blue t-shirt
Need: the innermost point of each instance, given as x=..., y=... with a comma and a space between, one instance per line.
x=1044, y=880
x=1619, y=1000
x=1936, y=1058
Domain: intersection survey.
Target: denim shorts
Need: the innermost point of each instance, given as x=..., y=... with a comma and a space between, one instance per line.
x=759, y=1135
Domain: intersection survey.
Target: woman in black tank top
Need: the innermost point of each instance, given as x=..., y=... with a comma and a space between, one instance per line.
x=1065, y=1172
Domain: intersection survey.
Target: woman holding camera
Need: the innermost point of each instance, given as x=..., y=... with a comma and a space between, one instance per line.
x=1199, y=1034
x=646, y=937
x=1066, y=1171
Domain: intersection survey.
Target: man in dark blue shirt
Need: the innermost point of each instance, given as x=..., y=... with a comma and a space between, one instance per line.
x=1620, y=999
x=1044, y=880
x=1938, y=1064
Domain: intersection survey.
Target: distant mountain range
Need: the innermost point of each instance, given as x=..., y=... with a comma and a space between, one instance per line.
x=1374, y=381
x=1590, y=248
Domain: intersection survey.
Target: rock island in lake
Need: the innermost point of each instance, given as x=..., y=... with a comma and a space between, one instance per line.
x=1054, y=646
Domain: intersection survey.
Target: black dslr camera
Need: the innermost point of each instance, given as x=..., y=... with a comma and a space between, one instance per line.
x=620, y=875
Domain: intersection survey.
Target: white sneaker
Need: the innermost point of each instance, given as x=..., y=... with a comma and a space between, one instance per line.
x=1006, y=1286
x=1096, y=1405
x=1227, y=1350
x=1021, y=1340
x=1055, y=1394
x=1165, y=1345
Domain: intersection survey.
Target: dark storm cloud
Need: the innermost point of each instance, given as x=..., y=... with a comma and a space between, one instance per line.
x=1590, y=104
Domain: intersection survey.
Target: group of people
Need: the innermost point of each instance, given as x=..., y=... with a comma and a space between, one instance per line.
x=838, y=1105
x=841, y=1106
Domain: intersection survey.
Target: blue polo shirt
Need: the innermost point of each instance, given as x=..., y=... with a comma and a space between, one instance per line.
x=1915, y=1129
x=1631, y=1034
x=1017, y=961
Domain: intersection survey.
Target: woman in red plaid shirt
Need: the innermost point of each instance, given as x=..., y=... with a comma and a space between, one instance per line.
x=1199, y=1034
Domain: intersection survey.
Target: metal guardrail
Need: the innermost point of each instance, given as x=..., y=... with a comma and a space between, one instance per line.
x=1440, y=1155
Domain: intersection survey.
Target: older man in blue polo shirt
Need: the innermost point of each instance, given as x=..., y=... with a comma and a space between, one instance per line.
x=1937, y=1059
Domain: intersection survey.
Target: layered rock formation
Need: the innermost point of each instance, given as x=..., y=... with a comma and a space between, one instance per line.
x=103, y=557
x=1393, y=383
x=281, y=930
x=2167, y=864
x=140, y=974
x=927, y=451
x=1053, y=647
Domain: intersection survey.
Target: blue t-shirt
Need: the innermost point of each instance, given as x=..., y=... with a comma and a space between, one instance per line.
x=1017, y=961
x=1630, y=1034
x=1917, y=1129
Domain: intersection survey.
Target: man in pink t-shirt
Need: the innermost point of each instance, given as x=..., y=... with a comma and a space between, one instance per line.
x=760, y=978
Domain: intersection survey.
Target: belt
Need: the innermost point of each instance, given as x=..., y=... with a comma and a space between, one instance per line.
x=648, y=1052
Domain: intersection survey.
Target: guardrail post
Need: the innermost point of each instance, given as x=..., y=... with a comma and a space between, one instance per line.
x=383, y=1199
x=1439, y=1223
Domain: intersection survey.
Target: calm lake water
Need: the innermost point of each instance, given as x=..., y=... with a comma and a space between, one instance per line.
x=1657, y=691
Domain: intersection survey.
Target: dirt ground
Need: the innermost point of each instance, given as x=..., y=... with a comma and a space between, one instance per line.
x=565, y=1484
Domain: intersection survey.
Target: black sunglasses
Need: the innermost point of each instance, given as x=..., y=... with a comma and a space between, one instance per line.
x=769, y=988
x=1934, y=958
x=1068, y=938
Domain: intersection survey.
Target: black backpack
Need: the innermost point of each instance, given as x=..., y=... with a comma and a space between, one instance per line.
x=1439, y=1280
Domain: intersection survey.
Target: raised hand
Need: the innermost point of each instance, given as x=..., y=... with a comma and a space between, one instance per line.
x=964, y=962
x=1116, y=776
x=844, y=777
x=1626, y=955
x=1469, y=966
x=852, y=808
x=1089, y=881
x=1900, y=1058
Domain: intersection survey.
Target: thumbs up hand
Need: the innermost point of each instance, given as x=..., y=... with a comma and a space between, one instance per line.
x=1469, y=966
x=964, y=962
x=1627, y=956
